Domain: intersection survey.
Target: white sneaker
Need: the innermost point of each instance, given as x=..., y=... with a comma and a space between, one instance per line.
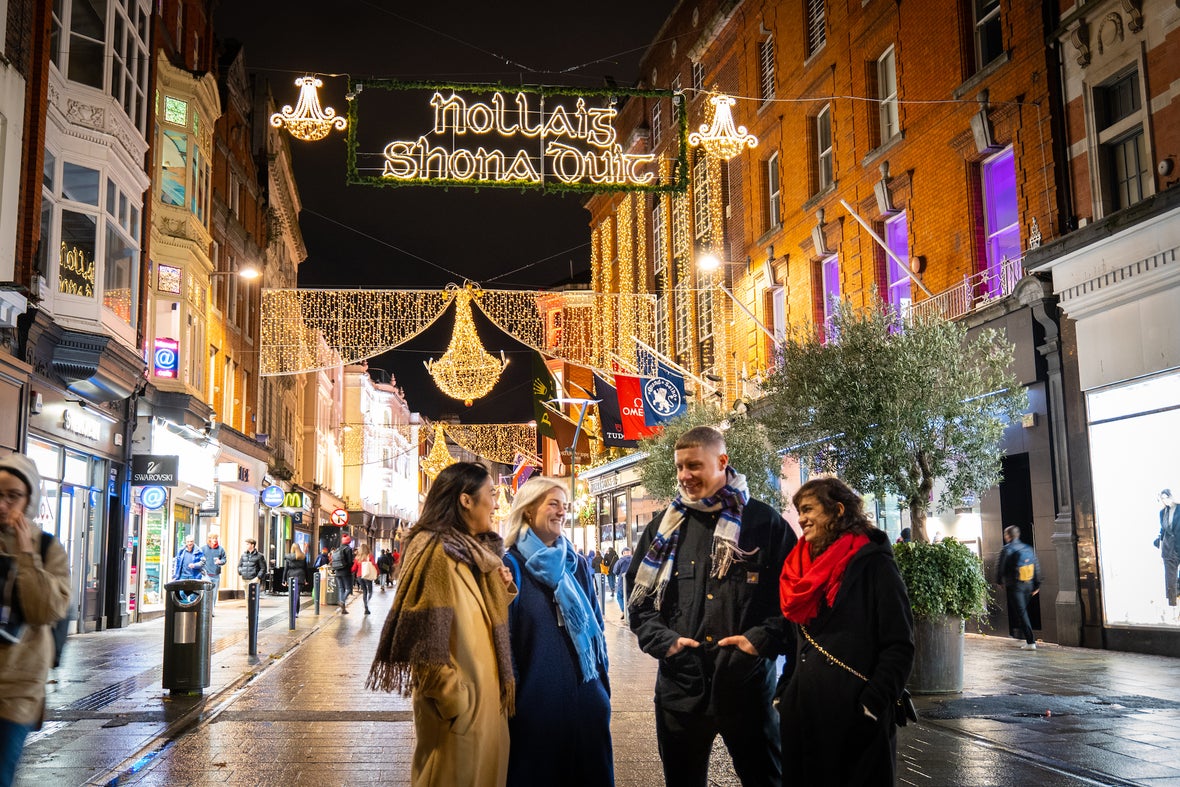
x=1029, y=646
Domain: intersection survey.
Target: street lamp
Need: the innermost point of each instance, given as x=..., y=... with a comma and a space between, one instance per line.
x=710, y=263
x=249, y=273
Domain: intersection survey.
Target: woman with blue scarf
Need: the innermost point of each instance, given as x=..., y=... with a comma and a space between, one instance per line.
x=560, y=734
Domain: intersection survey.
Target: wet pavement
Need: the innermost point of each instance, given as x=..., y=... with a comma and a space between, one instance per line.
x=298, y=713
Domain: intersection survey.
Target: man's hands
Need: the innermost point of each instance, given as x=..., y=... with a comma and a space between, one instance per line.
x=741, y=643
x=680, y=644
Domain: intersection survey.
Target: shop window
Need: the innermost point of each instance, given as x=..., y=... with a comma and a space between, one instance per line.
x=829, y=293
x=1001, y=218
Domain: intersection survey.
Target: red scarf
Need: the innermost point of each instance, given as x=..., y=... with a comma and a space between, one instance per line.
x=805, y=579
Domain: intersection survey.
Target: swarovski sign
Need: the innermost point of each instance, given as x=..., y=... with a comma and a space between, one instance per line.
x=154, y=469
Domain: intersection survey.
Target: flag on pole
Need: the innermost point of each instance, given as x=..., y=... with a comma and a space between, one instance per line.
x=521, y=470
x=663, y=396
x=609, y=418
x=630, y=397
x=544, y=389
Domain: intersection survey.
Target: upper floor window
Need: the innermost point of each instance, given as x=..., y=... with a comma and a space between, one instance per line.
x=766, y=67
x=1001, y=217
x=772, y=212
x=887, y=95
x=698, y=76
x=680, y=232
x=683, y=325
x=897, y=282
x=817, y=34
x=829, y=292
x=1123, y=165
x=657, y=122
x=700, y=196
x=184, y=171
x=822, y=149
x=989, y=43
x=659, y=243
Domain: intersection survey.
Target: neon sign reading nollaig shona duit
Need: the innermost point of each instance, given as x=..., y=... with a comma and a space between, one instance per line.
x=546, y=138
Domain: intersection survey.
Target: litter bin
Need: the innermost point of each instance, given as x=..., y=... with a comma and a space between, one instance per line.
x=188, y=612
x=329, y=595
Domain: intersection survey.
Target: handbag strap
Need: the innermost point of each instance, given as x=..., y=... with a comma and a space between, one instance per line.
x=829, y=656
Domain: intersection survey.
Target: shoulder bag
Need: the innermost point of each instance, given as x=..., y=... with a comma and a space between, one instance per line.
x=903, y=713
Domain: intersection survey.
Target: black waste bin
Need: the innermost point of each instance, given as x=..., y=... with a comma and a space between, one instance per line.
x=188, y=613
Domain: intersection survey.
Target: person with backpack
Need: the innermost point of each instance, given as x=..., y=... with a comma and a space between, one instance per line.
x=34, y=596
x=343, y=557
x=1019, y=571
x=384, y=569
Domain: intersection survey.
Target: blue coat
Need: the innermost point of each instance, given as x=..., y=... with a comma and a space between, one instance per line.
x=561, y=731
x=187, y=565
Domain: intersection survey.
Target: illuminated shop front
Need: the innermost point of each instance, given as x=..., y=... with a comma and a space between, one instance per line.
x=164, y=510
x=1119, y=281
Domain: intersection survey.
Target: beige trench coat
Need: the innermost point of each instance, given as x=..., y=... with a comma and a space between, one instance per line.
x=45, y=599
x=462, y=733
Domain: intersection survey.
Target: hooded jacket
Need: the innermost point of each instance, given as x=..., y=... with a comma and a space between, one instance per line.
x=43, y=592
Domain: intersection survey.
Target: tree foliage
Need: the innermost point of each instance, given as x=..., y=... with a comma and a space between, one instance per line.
x=746, y=440
x=943, y=579
x=891, y=406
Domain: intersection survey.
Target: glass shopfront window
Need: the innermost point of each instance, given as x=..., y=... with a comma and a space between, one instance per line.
x=1133, y=432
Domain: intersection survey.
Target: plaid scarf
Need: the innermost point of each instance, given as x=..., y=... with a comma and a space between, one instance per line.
x=656, y=568
x=416, y=639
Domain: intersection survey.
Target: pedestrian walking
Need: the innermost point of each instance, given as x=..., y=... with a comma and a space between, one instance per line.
x=384, y=569
x=295, y=569
x=365, y=570
x=343, y=557
x=1168, y=542
x=620, y=573
x=34, y=595
x=446, y=638
x=608, y=561
x=215, y=558
x=189, y=564
x=561, y=731
x=1019, y=572
x=251, y=565
x=704, y=601
x=853, y=647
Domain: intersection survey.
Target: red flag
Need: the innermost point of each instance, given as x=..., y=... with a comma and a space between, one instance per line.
x=630, y=390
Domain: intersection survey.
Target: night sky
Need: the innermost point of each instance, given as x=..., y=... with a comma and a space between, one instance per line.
x=428, y=237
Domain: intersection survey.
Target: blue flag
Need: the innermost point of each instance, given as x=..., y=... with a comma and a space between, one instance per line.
x=663, y=396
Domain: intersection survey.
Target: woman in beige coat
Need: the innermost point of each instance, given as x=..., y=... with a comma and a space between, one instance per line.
x=446, y=638
x=36, y=594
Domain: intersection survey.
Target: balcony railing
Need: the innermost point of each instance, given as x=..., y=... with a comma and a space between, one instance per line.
x=974, y=292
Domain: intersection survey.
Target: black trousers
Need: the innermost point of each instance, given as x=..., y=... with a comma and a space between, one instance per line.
x=1018, y=599
x=686, y=741
x=1171, y=570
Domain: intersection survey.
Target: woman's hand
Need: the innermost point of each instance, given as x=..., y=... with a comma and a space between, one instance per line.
x=741, y=643
x=24, y=533
x=506, y=575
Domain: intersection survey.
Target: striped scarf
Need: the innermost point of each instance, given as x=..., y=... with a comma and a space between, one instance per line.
x=416, y=640
x=656, y=568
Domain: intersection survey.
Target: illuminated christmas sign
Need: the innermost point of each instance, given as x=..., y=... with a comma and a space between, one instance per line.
x=528, y=137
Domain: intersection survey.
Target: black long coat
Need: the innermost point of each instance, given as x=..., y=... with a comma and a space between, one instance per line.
x=827, y=738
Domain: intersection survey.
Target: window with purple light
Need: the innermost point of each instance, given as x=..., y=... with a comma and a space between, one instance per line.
x=1001, y=218
x=830, y=279
x=897, y=282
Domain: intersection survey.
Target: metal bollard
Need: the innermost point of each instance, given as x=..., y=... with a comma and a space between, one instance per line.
x=252, y=600
x=315, y=590
x=292, y=601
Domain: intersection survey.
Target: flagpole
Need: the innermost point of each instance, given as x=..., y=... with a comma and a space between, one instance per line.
x=674, y=365
x=585, y=405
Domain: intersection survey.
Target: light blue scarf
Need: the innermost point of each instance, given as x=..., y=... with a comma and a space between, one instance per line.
x=554, y=568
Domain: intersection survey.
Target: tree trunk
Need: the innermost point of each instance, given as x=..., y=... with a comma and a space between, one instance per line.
x=918, y=521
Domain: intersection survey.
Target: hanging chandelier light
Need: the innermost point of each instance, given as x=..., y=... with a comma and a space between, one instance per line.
x=719, y=137
x=466, y=371
x=307, y=121
x=439, y=457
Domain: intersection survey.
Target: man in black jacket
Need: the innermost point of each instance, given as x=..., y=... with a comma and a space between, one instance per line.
x=1019, y=571
x=705, y=602
x=251, y=565
x=342, y=560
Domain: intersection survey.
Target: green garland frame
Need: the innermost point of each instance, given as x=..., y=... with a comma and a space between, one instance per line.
x=678, y=185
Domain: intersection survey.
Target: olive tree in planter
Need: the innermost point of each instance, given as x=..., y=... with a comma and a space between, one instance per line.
x=946, y=585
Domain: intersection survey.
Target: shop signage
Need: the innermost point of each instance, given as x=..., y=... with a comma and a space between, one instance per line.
x=153, y=497
x=211, y=505
x=339, y=517
x=166, y=357
x=81, y=424
x=544, y=137
x=293, y=500
x=154, y=469
x=272, y=496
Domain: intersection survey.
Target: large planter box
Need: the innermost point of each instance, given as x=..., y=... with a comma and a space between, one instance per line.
x=938, y=655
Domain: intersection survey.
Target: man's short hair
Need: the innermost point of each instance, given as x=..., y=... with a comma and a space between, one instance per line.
x=1012, y=532
x=703, y=436
x=251, y=541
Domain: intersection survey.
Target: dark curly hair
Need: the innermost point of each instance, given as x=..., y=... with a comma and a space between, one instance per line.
x=829, y=493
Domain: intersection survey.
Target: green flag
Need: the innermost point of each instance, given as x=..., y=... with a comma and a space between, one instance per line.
x=544, y=390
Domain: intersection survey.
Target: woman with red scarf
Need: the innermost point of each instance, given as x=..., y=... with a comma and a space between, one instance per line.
x=854, y=644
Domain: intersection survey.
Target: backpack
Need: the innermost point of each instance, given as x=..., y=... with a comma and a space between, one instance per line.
x=339, y=562
x=1026, y=569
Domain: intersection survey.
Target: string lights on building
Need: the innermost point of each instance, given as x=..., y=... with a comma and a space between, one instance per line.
x=495, y=442
x=308, y=121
